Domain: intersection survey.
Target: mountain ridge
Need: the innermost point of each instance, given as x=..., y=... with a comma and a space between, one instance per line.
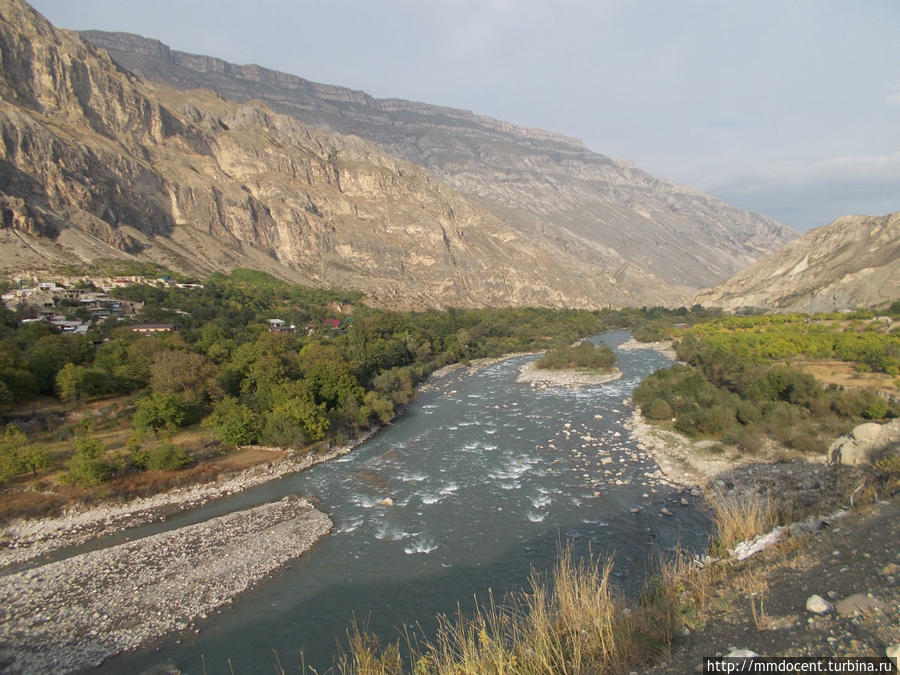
x=98, y=161
x=545, y=184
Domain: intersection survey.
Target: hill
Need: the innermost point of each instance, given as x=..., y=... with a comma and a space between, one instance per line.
x=853, y=262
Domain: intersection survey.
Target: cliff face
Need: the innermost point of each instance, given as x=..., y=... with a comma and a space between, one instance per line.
x=853, y=262
x=97, y=162
x=547, y=187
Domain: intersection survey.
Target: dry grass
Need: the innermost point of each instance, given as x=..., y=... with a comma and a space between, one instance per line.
x=572, y=622
x=844, y=374
x=739, y=518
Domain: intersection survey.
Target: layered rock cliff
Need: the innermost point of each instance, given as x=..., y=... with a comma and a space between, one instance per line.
x=853, y=262
x=548, y=187
x=98, y=162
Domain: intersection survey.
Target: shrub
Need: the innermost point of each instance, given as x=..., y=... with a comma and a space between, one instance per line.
x=234, y=422
x=159, y=411
x=583, y=355
x=88, y=465
x=658, y=409
x=166, y=456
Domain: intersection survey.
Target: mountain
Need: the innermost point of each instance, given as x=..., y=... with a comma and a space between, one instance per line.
x=548, y=187
x=98, y=162
x=853, y=262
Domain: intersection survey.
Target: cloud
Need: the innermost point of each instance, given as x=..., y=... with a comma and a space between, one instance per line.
x=814, y=194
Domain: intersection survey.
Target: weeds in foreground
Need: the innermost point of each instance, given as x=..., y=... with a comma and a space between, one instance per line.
x=739, y=518
x=572, y=622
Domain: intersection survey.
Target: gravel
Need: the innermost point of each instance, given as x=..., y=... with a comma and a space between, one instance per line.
x=75, y=613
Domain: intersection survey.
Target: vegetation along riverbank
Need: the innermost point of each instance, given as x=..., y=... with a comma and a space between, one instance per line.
x=752, y=432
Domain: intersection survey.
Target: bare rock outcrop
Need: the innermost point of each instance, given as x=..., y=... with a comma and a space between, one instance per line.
x=865, y=443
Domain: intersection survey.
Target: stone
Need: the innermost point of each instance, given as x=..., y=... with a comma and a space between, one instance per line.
x=857, y=603
x=818, y=605
x=890, y=569
x=387, y=501
x=866, y=433
x=741, y=654
x=893, y=652
x=664, y=511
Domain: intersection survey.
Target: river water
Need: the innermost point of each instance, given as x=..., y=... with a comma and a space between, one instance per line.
x=488, y=477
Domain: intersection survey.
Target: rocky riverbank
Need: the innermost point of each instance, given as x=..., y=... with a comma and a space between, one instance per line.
x=535, y=376
x=75, y=613
x=24, y=540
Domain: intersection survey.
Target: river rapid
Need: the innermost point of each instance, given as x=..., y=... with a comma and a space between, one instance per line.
x=478, y=484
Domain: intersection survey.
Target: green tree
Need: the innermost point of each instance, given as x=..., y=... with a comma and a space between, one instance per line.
x=88, y=464
x=159, y=411
x=233, y=422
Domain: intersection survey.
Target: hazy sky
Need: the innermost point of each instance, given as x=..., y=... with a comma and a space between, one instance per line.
x=788, y=107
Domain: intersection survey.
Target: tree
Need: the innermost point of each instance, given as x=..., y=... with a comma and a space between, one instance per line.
x=88, y=465
x=233, y=422
x=159, y=411
x=187, y=375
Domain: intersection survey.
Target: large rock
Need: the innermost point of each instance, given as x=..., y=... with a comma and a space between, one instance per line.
x=865, y=443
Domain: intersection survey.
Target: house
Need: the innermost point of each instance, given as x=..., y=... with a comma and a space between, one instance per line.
x=333, y=324
x=154, y=328
x=279, y=326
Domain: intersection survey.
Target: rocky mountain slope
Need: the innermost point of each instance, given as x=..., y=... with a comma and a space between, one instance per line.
x=853, y=262
x=549, y=188
x=96, y=162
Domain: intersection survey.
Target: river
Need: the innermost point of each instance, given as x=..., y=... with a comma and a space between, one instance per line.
x=487, y=477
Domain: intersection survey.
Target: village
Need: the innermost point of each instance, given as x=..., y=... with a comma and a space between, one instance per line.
x=73, y=305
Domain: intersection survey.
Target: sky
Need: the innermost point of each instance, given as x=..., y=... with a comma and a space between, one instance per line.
x=790, y=108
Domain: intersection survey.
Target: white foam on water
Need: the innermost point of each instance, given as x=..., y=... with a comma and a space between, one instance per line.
x=392, y=532
x=449, y=489
x=536, y=517
x=541, y=501
x=421, y=546
x=349, y=525
x=413, y=477
x=366, y=501
x=599, y=523
x=429, y=498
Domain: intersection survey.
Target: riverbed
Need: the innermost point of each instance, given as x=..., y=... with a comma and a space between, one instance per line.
x=478, y=485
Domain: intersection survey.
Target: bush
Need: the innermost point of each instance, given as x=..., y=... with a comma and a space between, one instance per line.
x=583, y=356
x=234, y=422
x=159, y=411
x=88, y=465
x=658, y=409
x=166, y=456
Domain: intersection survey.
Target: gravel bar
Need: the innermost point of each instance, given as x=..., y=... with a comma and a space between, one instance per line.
x=75, y=613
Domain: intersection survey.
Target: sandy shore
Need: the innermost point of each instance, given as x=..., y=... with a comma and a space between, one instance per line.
x=564, y=378
x=24, y=540
x=75, y=613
